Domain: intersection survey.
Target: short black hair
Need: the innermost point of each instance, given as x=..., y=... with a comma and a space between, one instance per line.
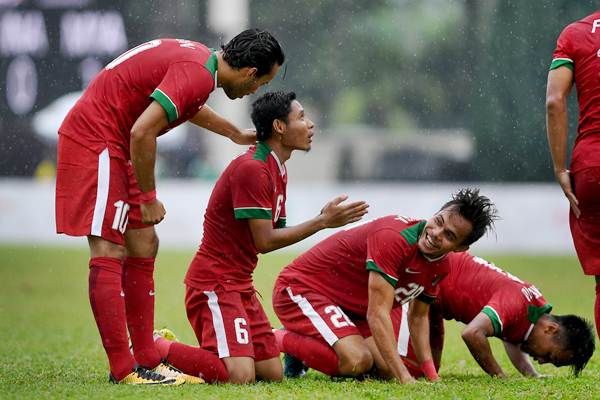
x=577, y=337
x=269, y=107
x=253, y=48
x=475, y=208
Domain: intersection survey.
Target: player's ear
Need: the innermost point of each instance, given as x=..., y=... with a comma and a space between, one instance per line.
x=278, y=126
x=251, y=72
x=551, y=328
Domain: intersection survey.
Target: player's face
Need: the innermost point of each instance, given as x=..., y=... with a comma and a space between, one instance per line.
x=443, y=233
x=247, y=83
x=298, y=130
x=544, y=348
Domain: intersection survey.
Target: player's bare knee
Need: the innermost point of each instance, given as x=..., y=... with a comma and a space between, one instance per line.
x=241, y=375
x=356, y=362
x=273, y=376
x=142, y=243
x=100, y=247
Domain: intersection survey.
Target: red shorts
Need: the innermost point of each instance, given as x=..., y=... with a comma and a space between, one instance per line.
x=399, y=317
x=586, y=229
x=95, y=194
x=230, y=324
x=309, y=313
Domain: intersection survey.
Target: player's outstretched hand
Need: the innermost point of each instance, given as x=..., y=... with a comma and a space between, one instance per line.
x=152, y=213
x=244, y=137
x=335, y=214
x=564, y=180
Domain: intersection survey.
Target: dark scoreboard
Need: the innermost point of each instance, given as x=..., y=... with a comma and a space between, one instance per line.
x=48, y=48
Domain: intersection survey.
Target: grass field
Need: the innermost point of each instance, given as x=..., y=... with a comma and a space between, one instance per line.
x=50, y=347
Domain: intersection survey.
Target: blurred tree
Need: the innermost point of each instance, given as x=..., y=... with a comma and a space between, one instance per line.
x=507, y=98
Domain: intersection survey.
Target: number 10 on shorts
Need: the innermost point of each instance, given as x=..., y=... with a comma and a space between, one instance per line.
x=121, y=216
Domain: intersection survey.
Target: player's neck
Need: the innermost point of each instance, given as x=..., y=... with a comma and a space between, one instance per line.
x=282, y=152
x=223, y=68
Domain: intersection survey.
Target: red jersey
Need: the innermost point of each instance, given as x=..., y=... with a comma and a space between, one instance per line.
x=474, y=285
x=578, y=47
x=178, y=74
x=253, y=186
x=338, y=267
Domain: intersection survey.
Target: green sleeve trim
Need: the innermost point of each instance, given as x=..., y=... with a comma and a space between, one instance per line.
x=560, y=62
x=252, y=213
x=166, y=103
x=493, y=316
x=371, y=266
x=280, y=223
x=425, y=298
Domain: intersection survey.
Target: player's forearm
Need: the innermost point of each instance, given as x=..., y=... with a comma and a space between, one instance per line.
x=520, y=360
x=419, y=336
x=480, y=349
x=207, y=118
x=282, y=237
x=382, y=330
x=143, y=157
x=557, y=130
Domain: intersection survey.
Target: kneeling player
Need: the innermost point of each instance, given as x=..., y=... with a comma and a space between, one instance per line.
x=332, y=297
x=246, y=216
x=493, y=302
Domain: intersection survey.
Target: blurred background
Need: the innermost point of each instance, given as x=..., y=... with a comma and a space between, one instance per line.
x=412, y=100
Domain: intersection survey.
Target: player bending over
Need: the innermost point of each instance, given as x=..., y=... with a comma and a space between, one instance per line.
x=246, y=216
x=493, y=302
x=331, y=298
x=105, y=187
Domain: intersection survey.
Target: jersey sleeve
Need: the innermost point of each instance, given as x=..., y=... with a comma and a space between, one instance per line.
x=506, y=308
x=563, y=54
x=385, y=250
x=185, y=86
x=252, y=191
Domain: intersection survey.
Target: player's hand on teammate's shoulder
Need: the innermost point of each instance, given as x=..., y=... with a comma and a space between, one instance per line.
x=153, y=213
x=244, y=137
x=336, y=214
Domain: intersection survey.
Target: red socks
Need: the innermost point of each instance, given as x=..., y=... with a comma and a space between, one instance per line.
x=315, y=353
x=194, y=361
x=138, y=286
x=108, y=306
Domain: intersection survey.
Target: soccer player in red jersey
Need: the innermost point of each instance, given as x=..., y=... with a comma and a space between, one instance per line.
x=493, y=302
x=576, y=60
x=245, y=216
x=105, y=186
x=333, y=297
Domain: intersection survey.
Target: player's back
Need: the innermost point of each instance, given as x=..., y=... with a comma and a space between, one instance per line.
x=107, y=110
x=470, y=284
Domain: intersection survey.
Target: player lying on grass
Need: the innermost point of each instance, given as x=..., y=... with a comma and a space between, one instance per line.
x=331, y=298
x=493, y=302
x=246, y=216
x=105, y=186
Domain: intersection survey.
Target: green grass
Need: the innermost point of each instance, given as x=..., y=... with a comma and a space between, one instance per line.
x=50, y=348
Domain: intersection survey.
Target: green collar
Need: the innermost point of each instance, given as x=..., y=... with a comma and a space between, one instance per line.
x=535, y=313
